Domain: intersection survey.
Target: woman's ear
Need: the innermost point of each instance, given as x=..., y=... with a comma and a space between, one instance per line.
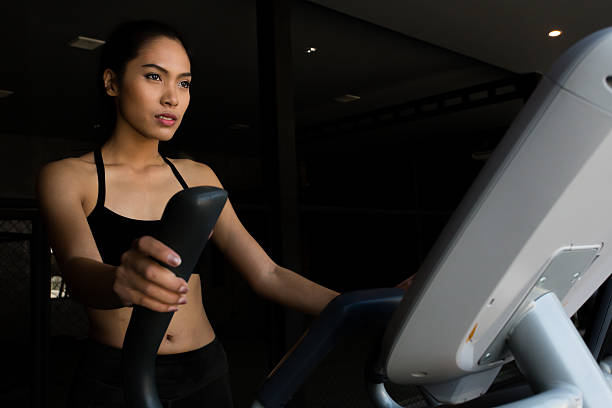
x=110, y=82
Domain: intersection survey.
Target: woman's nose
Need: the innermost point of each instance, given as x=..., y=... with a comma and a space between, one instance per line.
x=169, y=96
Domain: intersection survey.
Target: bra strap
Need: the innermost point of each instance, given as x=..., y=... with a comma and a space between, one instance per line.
x=176, y=173
x=101, y=179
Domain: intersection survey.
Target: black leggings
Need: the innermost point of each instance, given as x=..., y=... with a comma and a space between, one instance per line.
x=197, y=378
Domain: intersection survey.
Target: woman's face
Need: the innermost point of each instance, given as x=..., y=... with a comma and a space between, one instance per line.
x=153, y=93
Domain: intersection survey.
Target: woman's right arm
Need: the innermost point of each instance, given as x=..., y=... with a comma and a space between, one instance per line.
x=138, y=280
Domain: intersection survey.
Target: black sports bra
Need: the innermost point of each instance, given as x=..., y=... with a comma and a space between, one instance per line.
x=115, y=233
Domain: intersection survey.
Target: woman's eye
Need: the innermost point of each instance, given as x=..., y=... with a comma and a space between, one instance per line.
x=153, y=76
x=185, y=84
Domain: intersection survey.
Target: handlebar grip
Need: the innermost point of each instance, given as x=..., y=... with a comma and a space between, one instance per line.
x=186, y=224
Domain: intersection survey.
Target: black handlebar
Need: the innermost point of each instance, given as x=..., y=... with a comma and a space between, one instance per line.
x=187, y=221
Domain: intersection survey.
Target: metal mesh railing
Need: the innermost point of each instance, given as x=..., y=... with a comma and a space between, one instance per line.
x=16, y=226
x=66, y=317
x=30, y=308
x=15, y=278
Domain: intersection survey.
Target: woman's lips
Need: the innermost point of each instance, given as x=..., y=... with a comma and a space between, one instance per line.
x=166, y=119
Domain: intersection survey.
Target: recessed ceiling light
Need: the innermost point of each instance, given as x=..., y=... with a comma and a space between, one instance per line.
x=347, y=98
x=5, y=94
x=311, y=50
x=86, y=43
x=555, y=33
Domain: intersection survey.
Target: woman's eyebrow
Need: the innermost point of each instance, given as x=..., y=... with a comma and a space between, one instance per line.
x=165, y=71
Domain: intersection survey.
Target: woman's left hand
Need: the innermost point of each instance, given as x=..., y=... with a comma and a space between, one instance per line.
x=405, y=284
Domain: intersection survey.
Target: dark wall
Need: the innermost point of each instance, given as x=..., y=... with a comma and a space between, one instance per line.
x=22, y=156
x=373, y=203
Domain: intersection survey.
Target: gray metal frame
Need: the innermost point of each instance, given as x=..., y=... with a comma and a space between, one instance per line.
x=555, y=360
x=563, y=396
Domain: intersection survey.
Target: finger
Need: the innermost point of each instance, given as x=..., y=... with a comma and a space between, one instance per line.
x=157, y=250
x=148, y=289
x=130, y=296
x=145, y=266
x=147, y=270
x=154, y=304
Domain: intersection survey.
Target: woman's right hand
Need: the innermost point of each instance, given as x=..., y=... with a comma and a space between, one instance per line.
x=140, y=280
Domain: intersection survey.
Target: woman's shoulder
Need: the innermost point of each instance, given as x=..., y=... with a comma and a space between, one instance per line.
x=72, y=176
x=70, y=167
x=196, y=173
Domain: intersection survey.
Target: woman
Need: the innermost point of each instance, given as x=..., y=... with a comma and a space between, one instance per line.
x=101, y=209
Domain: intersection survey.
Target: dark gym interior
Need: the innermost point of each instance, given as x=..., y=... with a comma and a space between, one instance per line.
x=364, y=121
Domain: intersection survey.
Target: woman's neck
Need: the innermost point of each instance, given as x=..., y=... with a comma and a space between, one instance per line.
x=136, y=150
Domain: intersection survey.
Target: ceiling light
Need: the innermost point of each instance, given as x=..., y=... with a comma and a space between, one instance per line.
x=555, y=33
x=347, y=98
x=5, y=94
x=311, y=50
x=86, y=43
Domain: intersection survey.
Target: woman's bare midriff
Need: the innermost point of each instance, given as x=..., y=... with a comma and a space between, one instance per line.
x=189, y=328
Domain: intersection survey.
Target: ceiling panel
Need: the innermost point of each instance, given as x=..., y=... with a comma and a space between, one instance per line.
x=509, y=34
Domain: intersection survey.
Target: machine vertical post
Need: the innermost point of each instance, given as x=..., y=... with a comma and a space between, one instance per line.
x=551, y=354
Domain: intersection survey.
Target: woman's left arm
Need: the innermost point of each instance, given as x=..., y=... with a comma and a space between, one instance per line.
x=265, y=277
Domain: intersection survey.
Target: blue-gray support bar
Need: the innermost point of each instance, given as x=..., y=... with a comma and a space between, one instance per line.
x=380, y=397
x=346, y=315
